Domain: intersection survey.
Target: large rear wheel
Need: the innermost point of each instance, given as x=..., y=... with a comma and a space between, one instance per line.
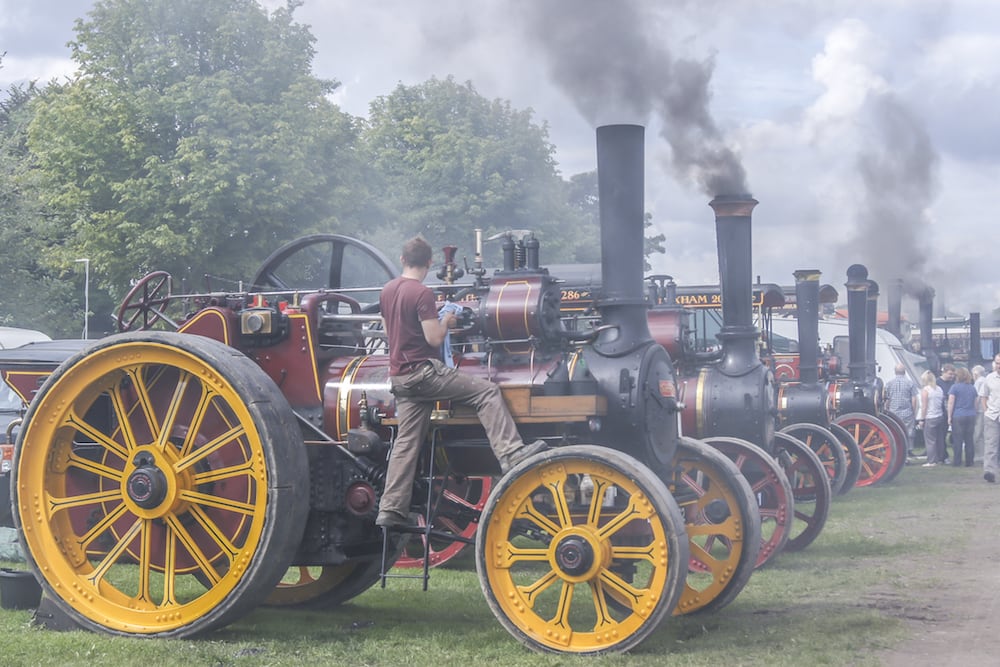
x=158, y=485
x=571, y=572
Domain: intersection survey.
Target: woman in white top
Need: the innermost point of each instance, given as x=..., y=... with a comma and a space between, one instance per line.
x=932, y=415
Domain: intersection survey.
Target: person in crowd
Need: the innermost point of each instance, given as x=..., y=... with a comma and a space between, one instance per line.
x=989, y=396
x=900, y=398
x=945, y=381
x=978, y=377
x=962, y=401
x=931, y=417
x=418, y=378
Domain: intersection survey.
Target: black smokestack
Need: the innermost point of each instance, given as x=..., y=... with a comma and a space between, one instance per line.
x=732, y=230
x=871, y=327
x=857, y=297
x=895, y=305
x=926, y=302
x=807, y=308
x=975, y=344
x=620, y=184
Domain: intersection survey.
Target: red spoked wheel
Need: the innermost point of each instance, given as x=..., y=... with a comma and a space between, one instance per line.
x=461, y=502
x=898, y=429
x=826, y=446
x=146, y=304
x=770, y=488
x=810, y=488
x=853, y=453
x=877, y=444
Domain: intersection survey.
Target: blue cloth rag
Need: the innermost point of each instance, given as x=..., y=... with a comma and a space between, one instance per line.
x=448, y=307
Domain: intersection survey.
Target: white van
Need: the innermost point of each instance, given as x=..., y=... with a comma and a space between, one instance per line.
x=834, y=333
x=14, y=337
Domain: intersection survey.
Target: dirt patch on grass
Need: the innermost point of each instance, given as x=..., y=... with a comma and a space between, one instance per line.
x=949, y=593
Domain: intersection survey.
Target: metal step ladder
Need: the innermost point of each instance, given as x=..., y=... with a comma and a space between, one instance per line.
x=426, y=531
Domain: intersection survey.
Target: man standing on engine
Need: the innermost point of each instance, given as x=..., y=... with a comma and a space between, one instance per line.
x=989, y=395
x=419, y=378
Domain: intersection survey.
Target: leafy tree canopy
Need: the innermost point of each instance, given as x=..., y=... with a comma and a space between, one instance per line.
x=193, y=139
x=453, y=161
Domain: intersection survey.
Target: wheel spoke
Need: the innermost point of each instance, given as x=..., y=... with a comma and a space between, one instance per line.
x=210, y=476
x=531, y=591
x=96, y=434
x=97, y=468
x=214, y=531
x=57, y=504
x=173, y=408
x=191, y=545
x=114, y=553
x=107, y=520
x=531, y=513
x=218, y=502
x=210, y=447
x=561, y=619
x=197, y=419
x=122, y=412
x=630, y=513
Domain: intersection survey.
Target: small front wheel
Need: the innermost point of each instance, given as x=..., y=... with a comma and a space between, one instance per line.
x=581, y=550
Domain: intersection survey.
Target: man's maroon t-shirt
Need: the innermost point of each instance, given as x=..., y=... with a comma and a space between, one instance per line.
x=405, y=303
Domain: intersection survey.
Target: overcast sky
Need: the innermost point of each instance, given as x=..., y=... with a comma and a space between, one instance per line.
x=868, y=130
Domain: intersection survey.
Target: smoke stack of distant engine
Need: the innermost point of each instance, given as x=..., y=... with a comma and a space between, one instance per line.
x=975, y=340
x=807, y=307
x=871, y=327
x=857, y=307
x=895, y=305
x=926, y=304
x=733, y=234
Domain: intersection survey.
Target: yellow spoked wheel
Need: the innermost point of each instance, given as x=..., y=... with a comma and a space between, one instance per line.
x=722, y=523
x=581, y=550
x=160, y=485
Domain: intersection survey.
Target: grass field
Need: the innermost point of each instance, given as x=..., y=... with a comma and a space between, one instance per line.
x=815, y=607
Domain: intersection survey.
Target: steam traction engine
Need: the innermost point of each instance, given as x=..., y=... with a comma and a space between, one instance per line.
x=167, y=482
x=854, y=398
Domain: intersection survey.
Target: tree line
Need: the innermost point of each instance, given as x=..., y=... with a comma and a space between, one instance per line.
x=195, y=139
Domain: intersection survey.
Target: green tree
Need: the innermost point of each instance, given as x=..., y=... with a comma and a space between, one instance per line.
x=451, y=161
x=194, y=139
x=33, y=293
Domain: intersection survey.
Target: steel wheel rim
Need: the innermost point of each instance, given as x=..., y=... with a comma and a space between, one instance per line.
x=204, y=519
x=573, y=589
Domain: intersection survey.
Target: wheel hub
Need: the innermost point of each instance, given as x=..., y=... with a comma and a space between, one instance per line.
x=147, y=485
x=574, y=555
